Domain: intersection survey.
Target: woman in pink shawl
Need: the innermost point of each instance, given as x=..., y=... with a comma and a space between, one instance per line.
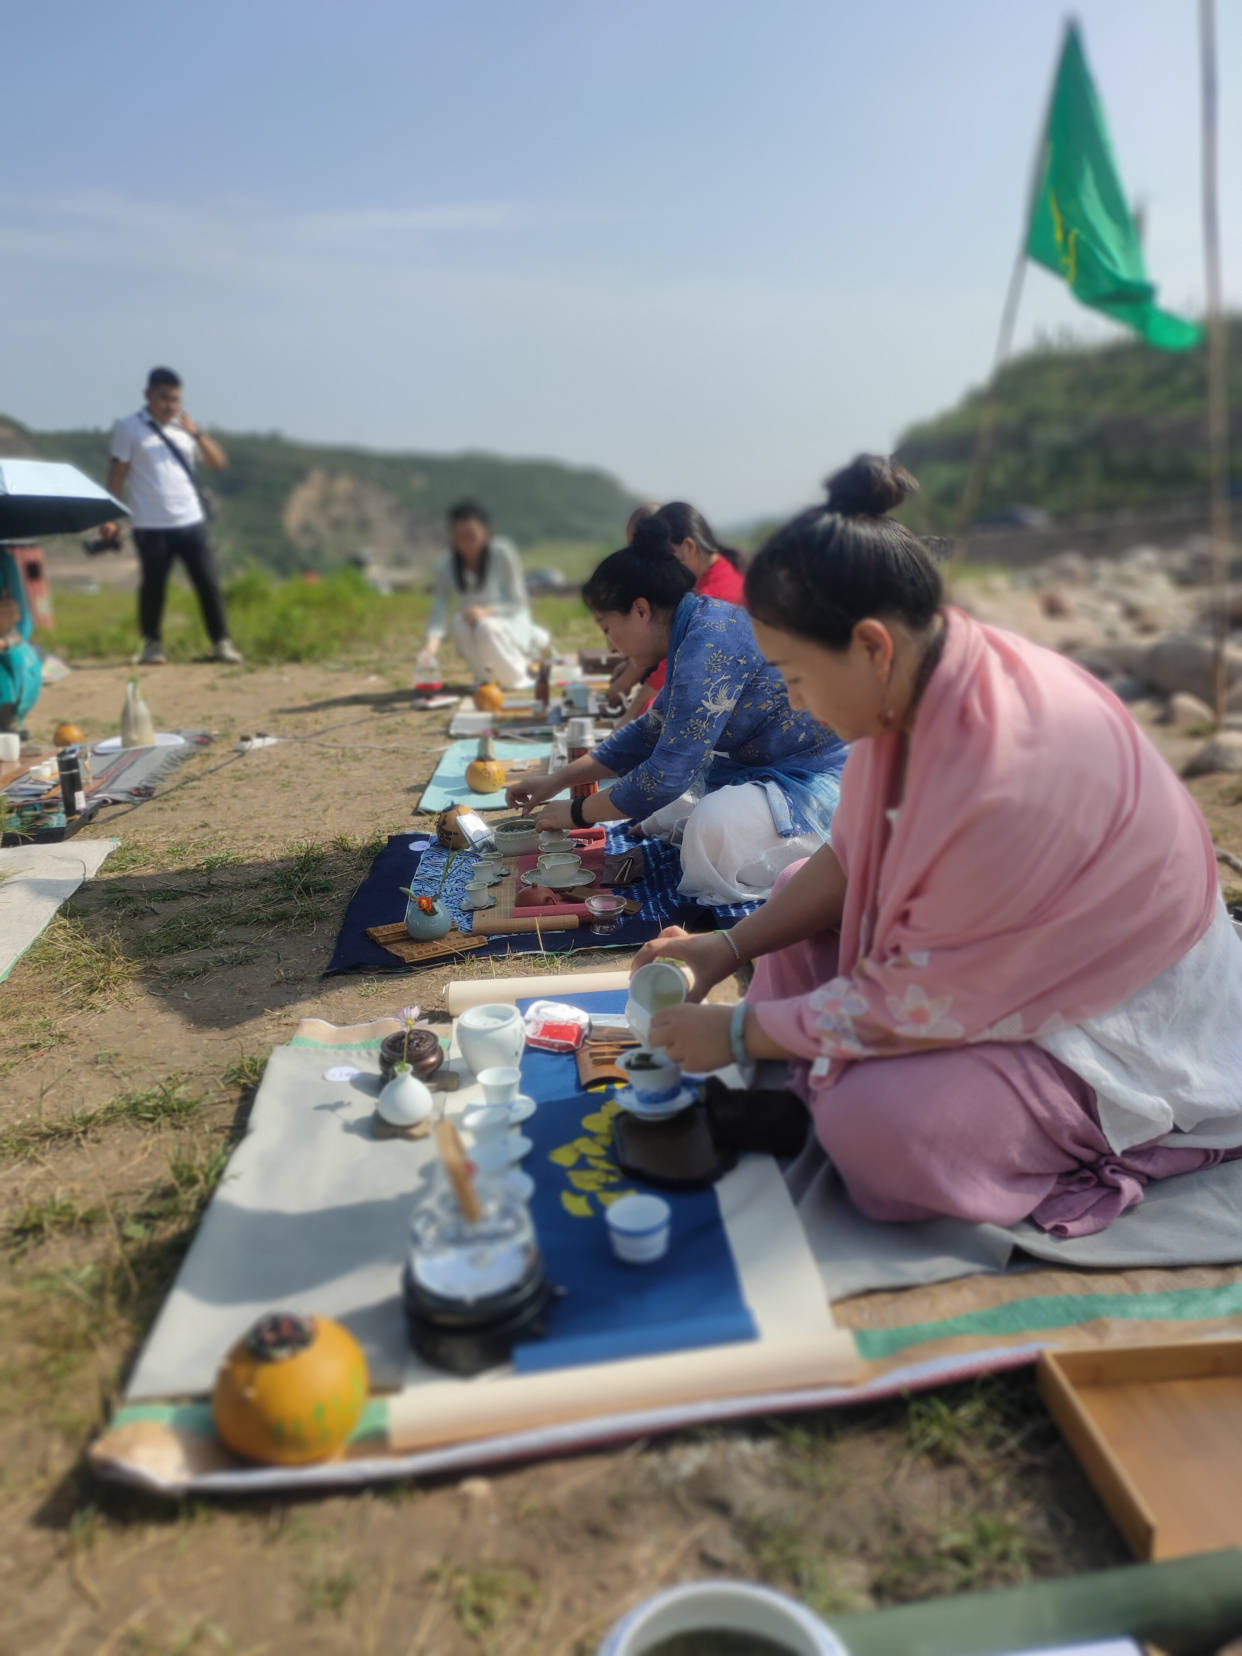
x=1009, y=989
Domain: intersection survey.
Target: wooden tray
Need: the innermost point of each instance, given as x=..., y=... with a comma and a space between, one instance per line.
x=398, y=942
x=1158, y=1430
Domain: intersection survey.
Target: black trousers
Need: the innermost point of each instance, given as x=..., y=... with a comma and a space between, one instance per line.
x=157, y=550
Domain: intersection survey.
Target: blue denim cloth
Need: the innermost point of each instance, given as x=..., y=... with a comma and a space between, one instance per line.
x=722, y=716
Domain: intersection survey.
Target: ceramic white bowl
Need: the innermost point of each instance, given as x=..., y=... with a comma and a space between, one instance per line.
x=490, y=1035
x=638, y=1228
x=515, y=839
x=705, y=1607
x=550, y=841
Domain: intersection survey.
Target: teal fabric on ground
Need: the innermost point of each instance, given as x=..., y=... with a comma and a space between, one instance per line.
x=448, y=785
x=1043, y=1312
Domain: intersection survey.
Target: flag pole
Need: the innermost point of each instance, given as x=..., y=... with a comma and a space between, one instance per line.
x=981, y=455
x=1217, y=369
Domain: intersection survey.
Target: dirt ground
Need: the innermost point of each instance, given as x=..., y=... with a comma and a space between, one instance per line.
x=132, y=1038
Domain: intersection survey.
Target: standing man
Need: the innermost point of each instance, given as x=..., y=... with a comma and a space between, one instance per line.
x=155, y=452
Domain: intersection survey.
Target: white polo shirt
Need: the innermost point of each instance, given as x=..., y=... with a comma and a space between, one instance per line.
x=161, y=496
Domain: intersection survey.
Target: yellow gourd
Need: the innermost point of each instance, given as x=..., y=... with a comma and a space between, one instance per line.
x=489, y=698
x=291, y=1390
x=66, y=734
x=485, y=774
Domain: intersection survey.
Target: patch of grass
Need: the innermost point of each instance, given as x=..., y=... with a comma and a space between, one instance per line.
x=39, y=1221
x=198, y=928
x=193, y=1176
x=165, y=1103
x=786, y=1550
x=807, y=1457
x=89, y=967
x=131, y=853
x=245, y=1072
x=329, y=1590
x=977, y=1426
x=988, y=1550
x=484, y=1598
x=189, y=971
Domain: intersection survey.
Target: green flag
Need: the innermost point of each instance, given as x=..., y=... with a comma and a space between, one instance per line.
x=1080, y=225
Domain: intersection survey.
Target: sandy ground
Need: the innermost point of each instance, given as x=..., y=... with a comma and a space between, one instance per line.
x=130, y=1043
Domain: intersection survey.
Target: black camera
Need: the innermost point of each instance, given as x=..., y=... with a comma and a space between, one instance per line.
x=93, y=547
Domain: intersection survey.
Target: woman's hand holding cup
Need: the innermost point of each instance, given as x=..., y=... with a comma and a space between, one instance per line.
x=707, y=955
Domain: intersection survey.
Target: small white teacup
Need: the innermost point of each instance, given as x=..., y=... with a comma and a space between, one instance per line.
x=638, y=1228
x=500, y=1084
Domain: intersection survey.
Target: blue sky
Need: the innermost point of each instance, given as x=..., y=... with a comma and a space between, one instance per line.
x=715, y=247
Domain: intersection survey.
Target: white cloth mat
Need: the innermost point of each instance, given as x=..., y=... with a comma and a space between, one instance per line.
x=34, y=881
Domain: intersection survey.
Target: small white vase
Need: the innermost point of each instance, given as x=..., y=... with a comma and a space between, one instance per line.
x=404, y=1101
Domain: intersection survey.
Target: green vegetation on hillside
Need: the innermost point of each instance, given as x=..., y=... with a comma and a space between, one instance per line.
x=1080, y=429
x=288, y=506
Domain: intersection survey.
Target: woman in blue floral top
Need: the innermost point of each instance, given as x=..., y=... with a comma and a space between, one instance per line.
x=720, y=764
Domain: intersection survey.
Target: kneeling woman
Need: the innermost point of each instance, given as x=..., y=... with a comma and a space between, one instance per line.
x=1010, y=989
x=721, y=759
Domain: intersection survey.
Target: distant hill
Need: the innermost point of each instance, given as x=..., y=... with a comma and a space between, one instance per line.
x=1081, y=429
x=291, y=506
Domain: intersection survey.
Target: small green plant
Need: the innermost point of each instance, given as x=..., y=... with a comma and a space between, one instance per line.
x=58, y=1215
x=245, y=1072
x=329, y=1590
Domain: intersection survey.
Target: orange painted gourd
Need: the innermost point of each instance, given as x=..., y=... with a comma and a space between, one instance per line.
x=291, y=1390
x=489, y=698
x=66, y=734
x=485, y=774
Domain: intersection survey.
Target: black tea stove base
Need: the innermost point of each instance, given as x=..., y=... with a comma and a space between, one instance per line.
x=466, y=1338
x=678, y=1153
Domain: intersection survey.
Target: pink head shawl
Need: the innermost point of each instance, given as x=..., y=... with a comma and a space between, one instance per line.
x=1044, y=865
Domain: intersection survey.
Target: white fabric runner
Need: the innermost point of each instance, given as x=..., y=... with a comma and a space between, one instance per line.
x=34, y=881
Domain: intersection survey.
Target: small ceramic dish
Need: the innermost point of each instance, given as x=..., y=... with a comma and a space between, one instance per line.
x=556, y=842
x=558, y=882
x=630, y=1102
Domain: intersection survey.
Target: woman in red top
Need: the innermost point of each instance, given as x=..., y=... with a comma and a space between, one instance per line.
x=717, y=569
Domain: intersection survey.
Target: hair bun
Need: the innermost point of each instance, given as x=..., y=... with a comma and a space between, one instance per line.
x=653, y=537
x=869, y=486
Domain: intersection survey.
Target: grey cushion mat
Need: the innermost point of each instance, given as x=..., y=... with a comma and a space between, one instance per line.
x=1192, y=1220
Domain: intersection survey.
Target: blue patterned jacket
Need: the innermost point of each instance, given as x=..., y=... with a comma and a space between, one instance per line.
x=723, y=717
